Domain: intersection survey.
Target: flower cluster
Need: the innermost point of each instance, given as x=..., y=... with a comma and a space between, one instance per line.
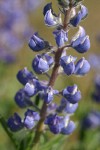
x=55, y=116
x=14, y=26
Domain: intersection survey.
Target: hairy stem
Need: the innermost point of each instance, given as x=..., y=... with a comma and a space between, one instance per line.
x=58, y=53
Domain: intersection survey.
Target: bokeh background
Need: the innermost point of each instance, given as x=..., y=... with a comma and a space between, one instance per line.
x=23, y=57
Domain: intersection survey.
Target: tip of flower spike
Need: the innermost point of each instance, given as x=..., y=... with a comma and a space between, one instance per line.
x=63, y=3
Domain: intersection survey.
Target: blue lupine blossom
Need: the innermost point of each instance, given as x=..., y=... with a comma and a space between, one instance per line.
x=76, y=20
x=56, y=123
x=71, y=108
x=78, y=37
x=67, y=63
x=69, y=128
x=67, y=107
x=50, y=18
x=48, y=95
x=31, y=117
x=15, y=123
x=84, y=45
x=49, y=59
x=31, y=88
x=72, y=94
x=61, y=37
x=79, y=16
x=82, y=67
x=37, y=44
x=25, y=76
x=81, y=42
x=84, y=11
x=22, y=99
x=42, y=63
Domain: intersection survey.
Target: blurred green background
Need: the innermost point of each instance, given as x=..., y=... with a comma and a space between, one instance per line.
x=9, y=84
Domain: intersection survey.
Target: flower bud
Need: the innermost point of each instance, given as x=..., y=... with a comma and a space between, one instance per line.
x=61, y=37
x=24, y=76
x=42, y=63
x=67, y=107
x=55, y=123
x=22, y=99
x=69, y=128
x=78, y=37
x=72, y=94
x=67, y=63
x=31, y=117
x=52, y=20
x=79, y=16
x=48, y=95
x=76, y=19
x=15, y=123
x=31, y=88
x=80, y=42
x=37, y=44
x=84, y=46
x=82, y=67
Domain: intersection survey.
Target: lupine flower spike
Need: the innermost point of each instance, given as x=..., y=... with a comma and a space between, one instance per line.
x=54, y=116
